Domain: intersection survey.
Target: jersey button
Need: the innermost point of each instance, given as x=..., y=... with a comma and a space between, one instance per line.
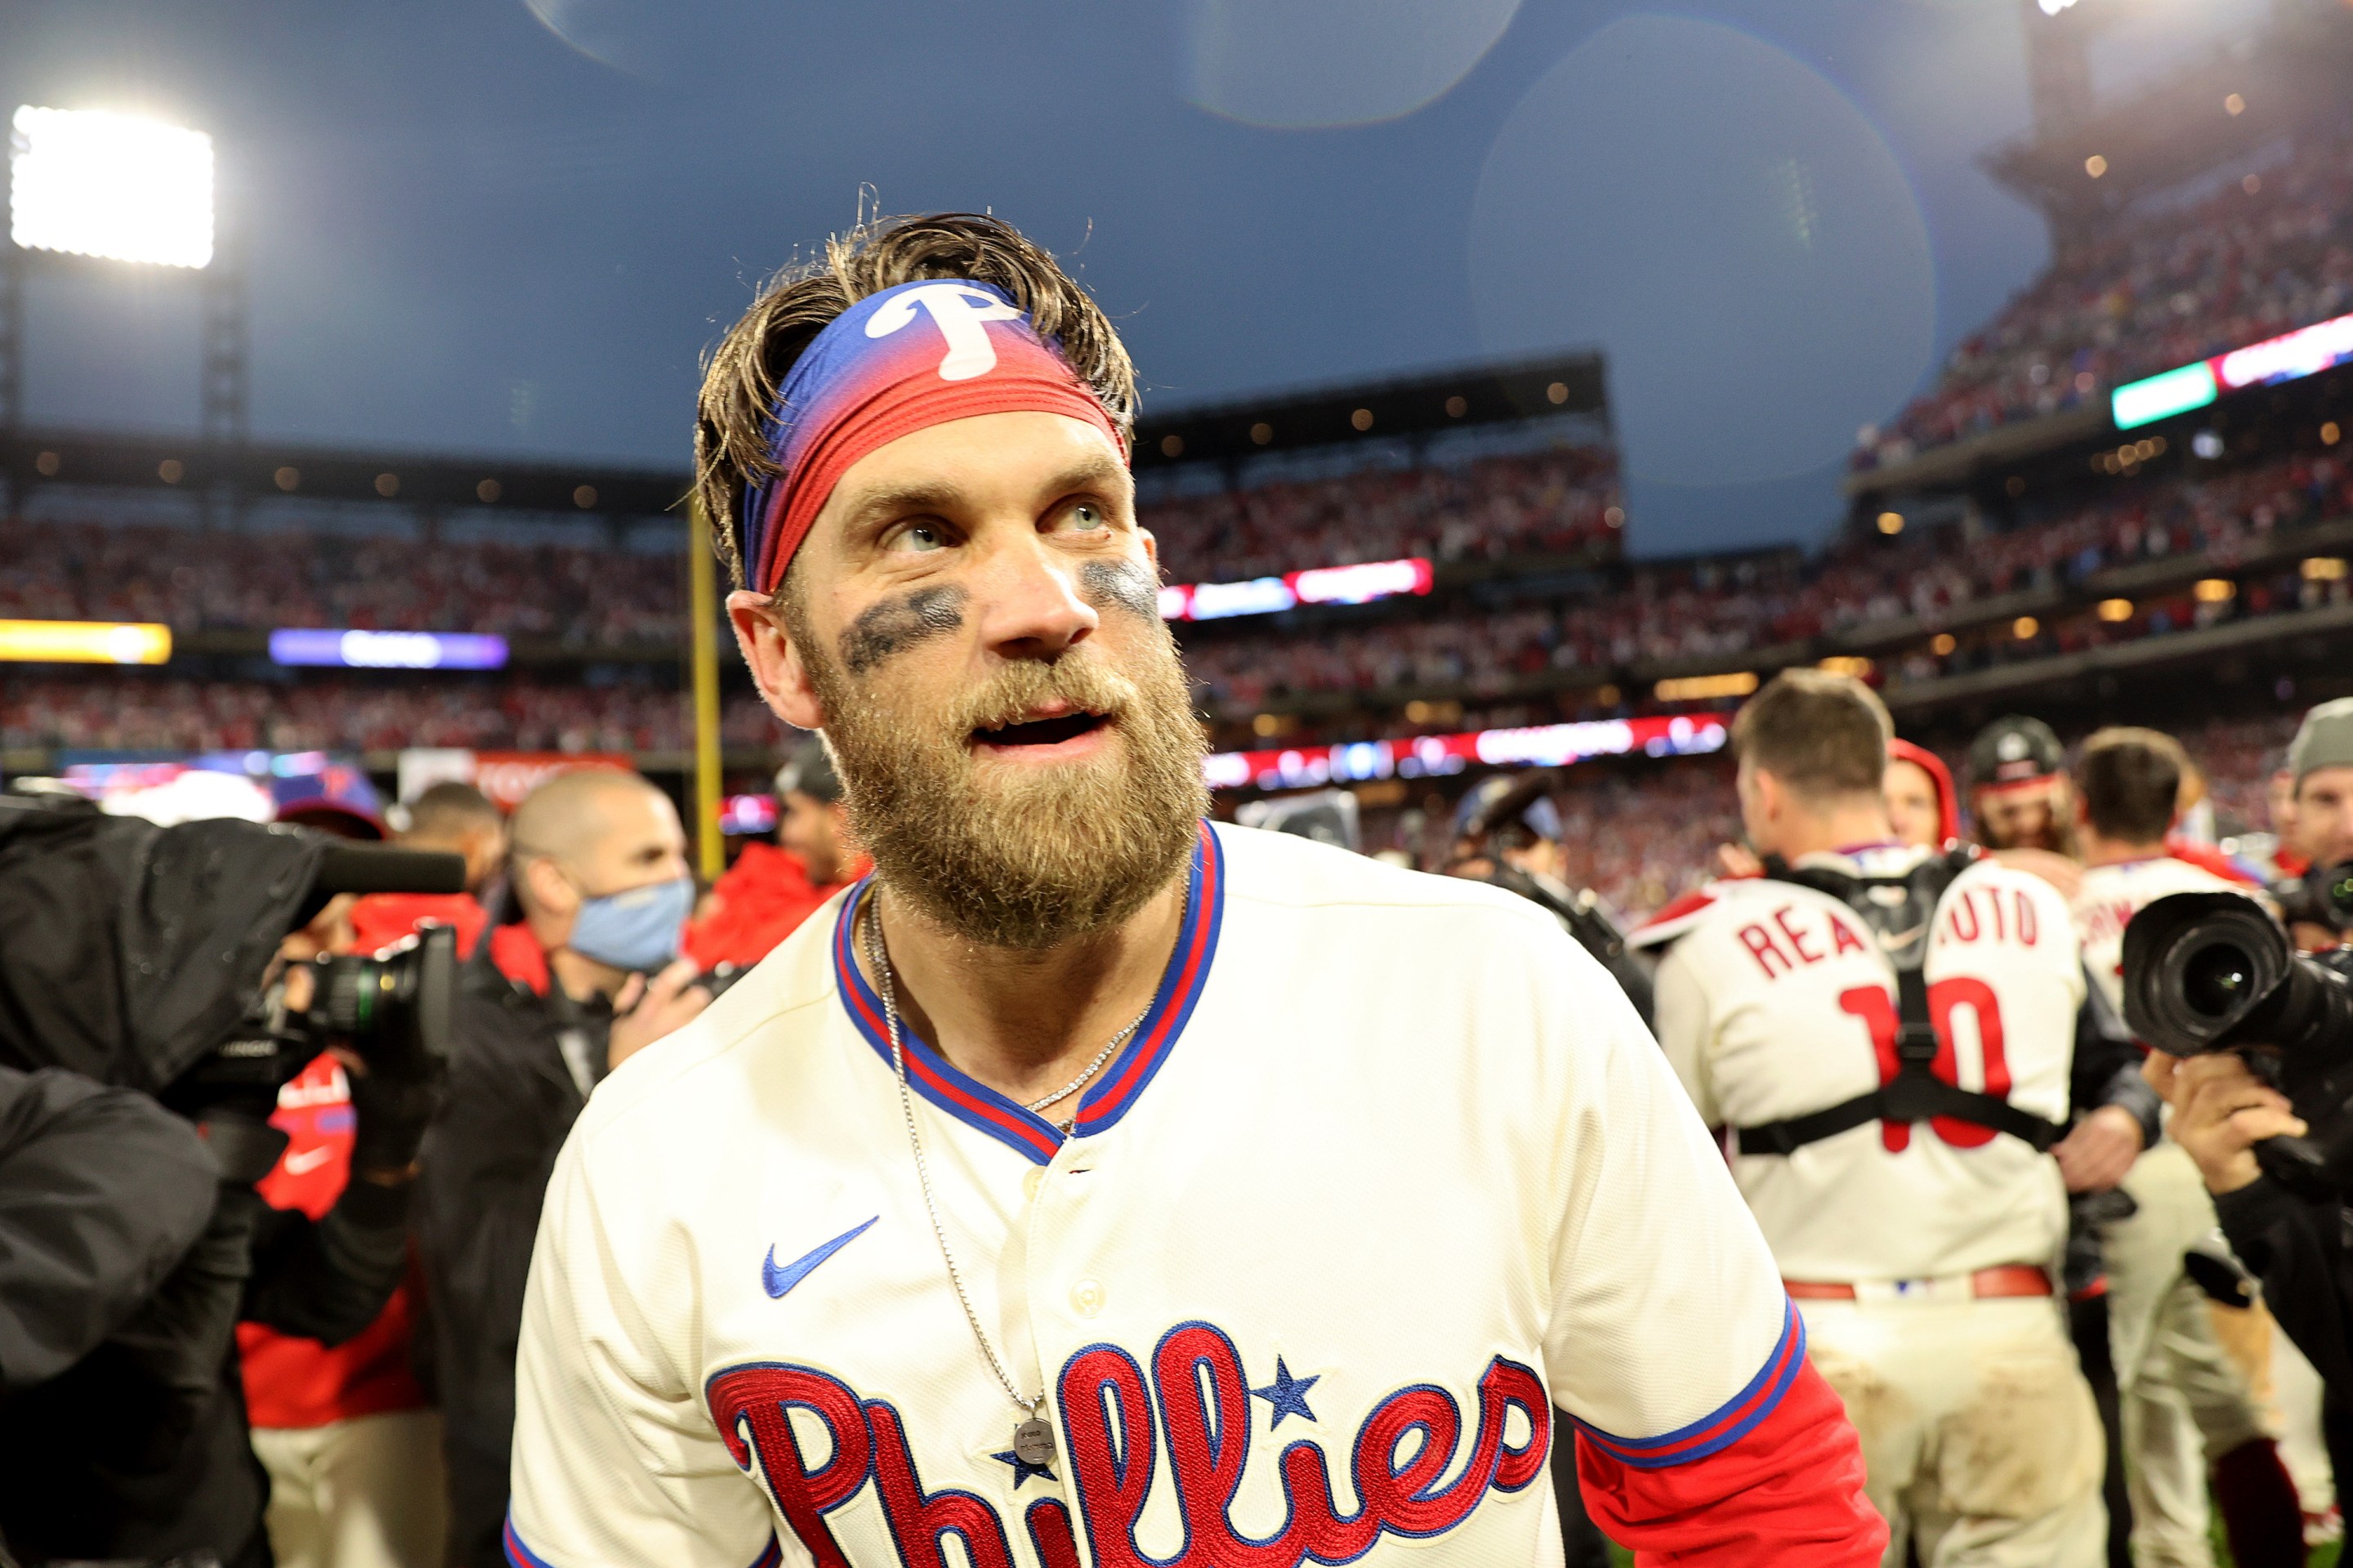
x=1032, y=1182
x=1087, y=1297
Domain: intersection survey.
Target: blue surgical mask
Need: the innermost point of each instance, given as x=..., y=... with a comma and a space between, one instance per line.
x=637, y=930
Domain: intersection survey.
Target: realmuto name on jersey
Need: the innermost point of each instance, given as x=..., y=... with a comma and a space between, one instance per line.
x=1796, y=935
x=1194, y=1406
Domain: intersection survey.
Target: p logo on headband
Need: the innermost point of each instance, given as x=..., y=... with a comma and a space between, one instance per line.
x=910, y=357
x=958, y=310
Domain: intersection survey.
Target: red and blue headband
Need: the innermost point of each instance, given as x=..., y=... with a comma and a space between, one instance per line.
x=896, y=362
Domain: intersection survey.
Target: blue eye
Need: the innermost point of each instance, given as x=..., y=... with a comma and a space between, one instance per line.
x=1086, y=514
x=921, y=537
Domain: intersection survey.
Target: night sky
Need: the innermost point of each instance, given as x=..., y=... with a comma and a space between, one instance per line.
x=513, y=226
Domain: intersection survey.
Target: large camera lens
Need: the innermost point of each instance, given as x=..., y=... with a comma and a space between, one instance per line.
x=2197, y=966
x=2218, y=980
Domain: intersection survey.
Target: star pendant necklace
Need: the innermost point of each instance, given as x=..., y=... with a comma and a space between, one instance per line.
x=1033, y=1438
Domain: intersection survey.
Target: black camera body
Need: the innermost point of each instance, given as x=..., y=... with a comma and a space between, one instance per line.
x=2322, y=897
x=2213, y=971
x=389, y=1008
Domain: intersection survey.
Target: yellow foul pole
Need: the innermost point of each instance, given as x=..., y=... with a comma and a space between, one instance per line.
x=703, y=594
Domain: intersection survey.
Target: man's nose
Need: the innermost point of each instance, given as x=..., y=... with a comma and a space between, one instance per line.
x=1027, y=600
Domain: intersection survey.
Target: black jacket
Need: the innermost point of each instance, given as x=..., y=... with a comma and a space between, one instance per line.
x=2303, y=1252
x=102, y=1192
x=524, y=1066
x=131, y=954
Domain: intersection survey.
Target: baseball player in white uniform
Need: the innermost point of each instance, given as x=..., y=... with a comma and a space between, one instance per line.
x=2186, y=1404
x=1887, y=1033
x=1091, y=1185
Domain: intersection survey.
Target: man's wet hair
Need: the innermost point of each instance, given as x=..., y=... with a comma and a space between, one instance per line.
x=1820, y=733
x=733, y=428
x=2130, y=782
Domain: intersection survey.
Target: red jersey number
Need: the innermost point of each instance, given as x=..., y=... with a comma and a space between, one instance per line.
x=1877, y=1010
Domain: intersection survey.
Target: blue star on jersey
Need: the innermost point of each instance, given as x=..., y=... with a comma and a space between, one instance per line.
x=1023, y=1469
x=1287, y=1394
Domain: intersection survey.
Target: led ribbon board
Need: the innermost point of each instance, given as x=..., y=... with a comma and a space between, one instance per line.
x=388, y=650
x=1433, y=755
x=1359, y=583
x=2291, y=357
x=84, y=643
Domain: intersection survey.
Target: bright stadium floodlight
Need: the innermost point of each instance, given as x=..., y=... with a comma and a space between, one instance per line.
x=93, y=183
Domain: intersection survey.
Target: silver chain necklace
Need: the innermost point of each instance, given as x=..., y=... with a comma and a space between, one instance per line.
x=1033, y=1439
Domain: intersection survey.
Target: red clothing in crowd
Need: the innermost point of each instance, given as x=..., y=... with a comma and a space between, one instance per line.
x=296, y=1383
x=764, y=896
x=2207, y=858
x=383, y=918
x=299, y=1383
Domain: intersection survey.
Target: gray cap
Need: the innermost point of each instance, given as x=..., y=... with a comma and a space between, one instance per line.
x=810, y=772
x=2325, y=739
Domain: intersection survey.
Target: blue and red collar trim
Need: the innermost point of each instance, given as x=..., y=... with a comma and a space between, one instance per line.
x=1112, y=1097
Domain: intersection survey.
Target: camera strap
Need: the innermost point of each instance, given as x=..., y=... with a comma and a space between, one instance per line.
x=1900, y=911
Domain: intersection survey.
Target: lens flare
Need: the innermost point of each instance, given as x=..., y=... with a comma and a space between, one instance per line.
x=1299, y=64
x=1729, y=227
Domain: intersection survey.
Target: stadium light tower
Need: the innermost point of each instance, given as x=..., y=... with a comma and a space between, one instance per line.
x=93, y=187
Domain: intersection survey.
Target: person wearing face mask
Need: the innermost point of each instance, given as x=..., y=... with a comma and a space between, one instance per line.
x=549, y=1005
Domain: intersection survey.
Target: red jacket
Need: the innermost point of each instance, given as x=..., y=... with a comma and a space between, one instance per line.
x=294, y=1383
x=764, y=895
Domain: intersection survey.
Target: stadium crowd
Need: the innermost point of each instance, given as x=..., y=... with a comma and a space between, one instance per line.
x=1556, y=501
x=1688, y=609
x=2267, y=253
x=1645, y=835
x=1726, y=606
x=194, y=581
x=135, y=712
x=1560, y=502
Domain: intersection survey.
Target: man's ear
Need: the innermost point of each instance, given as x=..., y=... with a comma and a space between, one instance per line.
x=775, y=664
x=1151, y=548
x=545, y=889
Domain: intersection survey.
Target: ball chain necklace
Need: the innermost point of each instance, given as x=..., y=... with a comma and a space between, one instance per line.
x=1033, y=1439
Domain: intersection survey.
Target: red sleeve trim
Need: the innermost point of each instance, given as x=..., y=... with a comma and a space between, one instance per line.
x=1787, y=1492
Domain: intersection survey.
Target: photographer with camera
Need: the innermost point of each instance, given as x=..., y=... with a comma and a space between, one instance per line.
x=2316, y=827
x=544, y=1010
x=2252, y=1046
x=155, y=960
x=2295, y=1243
x=2186, y=1404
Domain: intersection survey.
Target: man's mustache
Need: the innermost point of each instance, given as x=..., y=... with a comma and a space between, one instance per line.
x=1080, y=680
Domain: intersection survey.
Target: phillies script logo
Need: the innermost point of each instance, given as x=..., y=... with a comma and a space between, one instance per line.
x=1113, y=1442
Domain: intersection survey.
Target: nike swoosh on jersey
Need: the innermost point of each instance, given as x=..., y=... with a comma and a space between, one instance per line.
x=779, y=1280
x=309, y=1160
x=1896, y=942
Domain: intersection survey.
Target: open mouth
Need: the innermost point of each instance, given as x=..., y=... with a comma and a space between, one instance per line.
x=1041, y=732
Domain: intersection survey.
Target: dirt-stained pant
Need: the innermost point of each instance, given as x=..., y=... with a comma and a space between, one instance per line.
x=1978, y=1432
x=363, y=1493
x=2185, y=1402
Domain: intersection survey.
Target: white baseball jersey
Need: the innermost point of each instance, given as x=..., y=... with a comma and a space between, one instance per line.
x=2112, y=895
x=1778, y=1001
x=1390, y=1169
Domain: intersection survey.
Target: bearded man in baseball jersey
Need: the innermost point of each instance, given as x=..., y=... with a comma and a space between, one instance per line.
x=1888, y=1031
x=1090, y=1184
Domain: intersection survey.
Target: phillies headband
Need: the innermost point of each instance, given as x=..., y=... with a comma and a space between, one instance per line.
x=896, y=362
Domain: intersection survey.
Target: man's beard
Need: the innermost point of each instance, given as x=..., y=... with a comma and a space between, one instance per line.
x=1032, y=856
